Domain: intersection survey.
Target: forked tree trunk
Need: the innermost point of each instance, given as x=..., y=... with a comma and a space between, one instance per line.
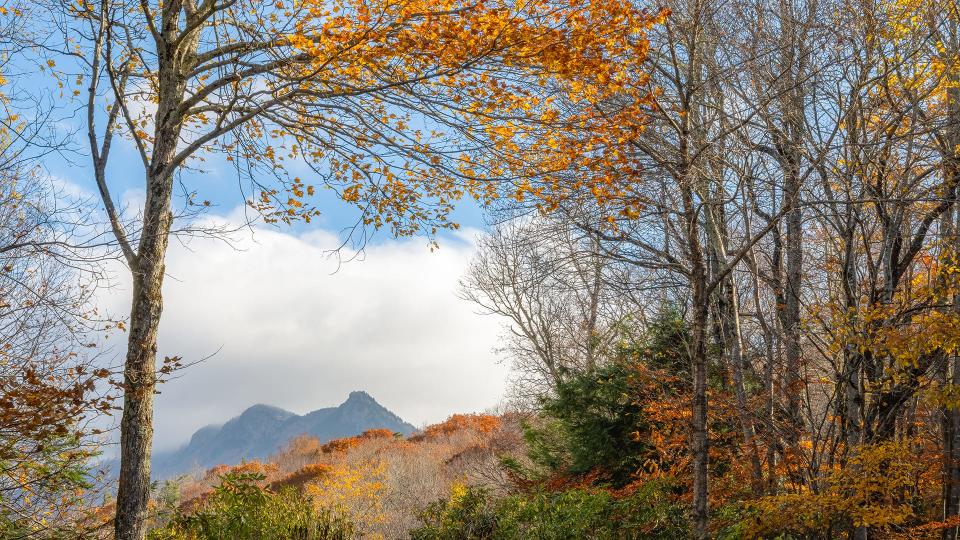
x=176, y=57
x=136, y=427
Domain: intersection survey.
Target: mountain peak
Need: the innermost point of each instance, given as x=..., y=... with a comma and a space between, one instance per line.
x=261, y=430
x=359, y=396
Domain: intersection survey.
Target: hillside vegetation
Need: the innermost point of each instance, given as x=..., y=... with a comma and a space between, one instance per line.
x=378, y=481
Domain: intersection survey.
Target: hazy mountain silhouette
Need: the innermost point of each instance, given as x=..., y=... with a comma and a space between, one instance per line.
x=261, y=430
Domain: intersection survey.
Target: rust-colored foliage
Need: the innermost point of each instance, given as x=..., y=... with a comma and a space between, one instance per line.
x=302, y=476
x=40, y=404
x=479, y=423
x=346, y=443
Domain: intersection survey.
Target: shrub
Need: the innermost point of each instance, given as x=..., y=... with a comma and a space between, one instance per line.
x=240, y=508
x=471, y=513
x=575, y=513
x=467, y=514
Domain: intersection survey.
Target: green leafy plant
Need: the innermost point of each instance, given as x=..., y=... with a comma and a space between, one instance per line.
x=472, y=513
x=240, y=508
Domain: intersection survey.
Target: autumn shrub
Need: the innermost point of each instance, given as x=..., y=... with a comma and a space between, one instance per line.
x=467, y=513
x=479, y=423
x=241, y=508
x=302, y=476
x=874, y=490
x=471, y=513
x=354, y=490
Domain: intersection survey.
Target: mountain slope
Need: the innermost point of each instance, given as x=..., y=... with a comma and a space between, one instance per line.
x=262, y=430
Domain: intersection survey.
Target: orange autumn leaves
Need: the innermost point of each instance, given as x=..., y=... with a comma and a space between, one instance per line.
x=409, y=106
x=403, y=107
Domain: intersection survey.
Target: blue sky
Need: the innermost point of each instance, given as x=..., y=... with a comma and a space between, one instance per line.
x=212, y=177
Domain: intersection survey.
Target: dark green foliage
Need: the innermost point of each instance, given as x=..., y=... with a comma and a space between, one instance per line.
x=652, y=512
x=665, y=344
x=545, y=516
x=548, y=447
x=596, y=422
x=593, y=415
x=574, y=513
x=240, y=509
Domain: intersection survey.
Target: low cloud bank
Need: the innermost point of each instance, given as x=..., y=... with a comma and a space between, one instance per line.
x=288, y=328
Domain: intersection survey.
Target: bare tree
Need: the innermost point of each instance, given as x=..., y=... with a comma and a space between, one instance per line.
x=52, y=387
x=550, y=279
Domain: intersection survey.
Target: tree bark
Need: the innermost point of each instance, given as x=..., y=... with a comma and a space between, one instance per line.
x=951, y=455
x=728, y=316
x=136, y=426
x=699, y=436
x=790, y=314
x=700, y=442
x=733, y=334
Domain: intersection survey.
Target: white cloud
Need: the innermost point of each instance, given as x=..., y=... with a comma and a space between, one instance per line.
x=288, y=332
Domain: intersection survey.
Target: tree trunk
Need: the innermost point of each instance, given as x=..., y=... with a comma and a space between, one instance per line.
x=951, y=454
x=951, y=415
x=136, y=426
x=791, y=308
x=700, y=442
x=731, y=333
x=699, y=435
x=175, y=59
x=734, y=337
x=768, y=368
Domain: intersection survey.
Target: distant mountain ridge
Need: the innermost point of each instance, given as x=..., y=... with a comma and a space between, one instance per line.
x=261, y=430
